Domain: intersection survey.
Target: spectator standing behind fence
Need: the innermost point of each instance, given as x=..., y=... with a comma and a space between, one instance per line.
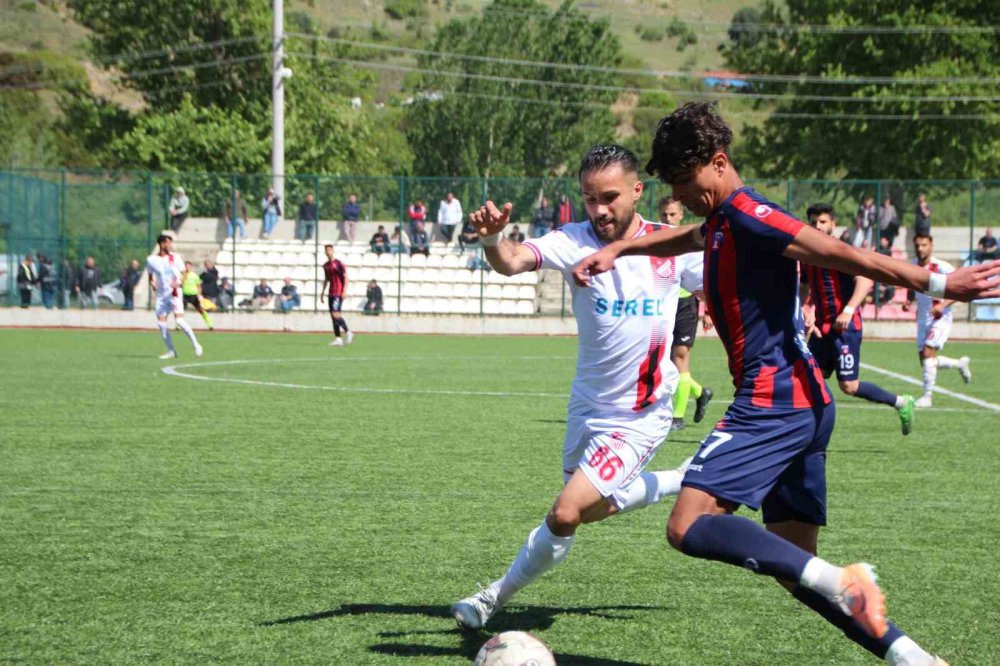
x=922, y=216
x=308, y=218
x=380, y=241
x=352, y=213
x=227, y=295
x=127, y=281
x=27, y=278
x=234, y=212
x=544, y=216
x=564, y=213
x=419, y=243
x=417, y=212
x=48, y=278
x=987, y=248
x=373, y=299
x=271, y=205
x=864, y=222
x=88, y=282
x=888, y=221
x=68, y=279
x=515, y=235
x=179, y=205
x=289, y=297
x=210, y=281
x=449, y=216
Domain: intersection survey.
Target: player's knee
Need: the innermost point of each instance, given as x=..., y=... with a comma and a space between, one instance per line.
x=564, y=517
x=677, y=528
x=849, y=388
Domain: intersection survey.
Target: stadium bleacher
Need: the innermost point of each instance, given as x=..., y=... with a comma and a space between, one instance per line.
x=441, y=283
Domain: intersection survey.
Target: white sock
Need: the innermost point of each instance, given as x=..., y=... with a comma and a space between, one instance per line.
x=165, y=334
x=542, y=551
x=822, y=577
x=900, y=402
x=650, y=488
x=947, y=362
x=188, y=331
x=930, y=373
x=905, y=652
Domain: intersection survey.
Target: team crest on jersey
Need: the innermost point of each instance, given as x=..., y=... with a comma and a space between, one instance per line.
x=844, y=349
x=762, y=211
x=717, y=240
x=666, y=269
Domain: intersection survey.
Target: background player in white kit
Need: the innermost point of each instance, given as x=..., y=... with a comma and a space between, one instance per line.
x=620, y=405
x=164, y=269
x=933, y=323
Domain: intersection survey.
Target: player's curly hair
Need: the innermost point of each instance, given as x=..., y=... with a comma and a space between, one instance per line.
x=686, y=139
x=601, y=157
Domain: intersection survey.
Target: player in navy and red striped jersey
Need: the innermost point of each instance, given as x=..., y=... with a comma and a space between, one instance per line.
x=335, y=275
x=769, y=450
x=833, y=325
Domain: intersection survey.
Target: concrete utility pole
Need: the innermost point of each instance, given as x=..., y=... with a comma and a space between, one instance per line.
x=278, y=75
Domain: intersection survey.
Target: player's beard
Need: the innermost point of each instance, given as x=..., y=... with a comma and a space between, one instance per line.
x=614, y=232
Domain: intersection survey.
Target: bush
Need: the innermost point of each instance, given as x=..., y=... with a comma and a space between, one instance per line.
x=650, y=34
x=403, y=9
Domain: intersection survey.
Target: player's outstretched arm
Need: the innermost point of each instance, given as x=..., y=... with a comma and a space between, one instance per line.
x=505, y=257
x=965, y=284
x=663, y=243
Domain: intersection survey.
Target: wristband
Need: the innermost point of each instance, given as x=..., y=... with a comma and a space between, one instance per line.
x=848, y=310
x=492, y=240
x=936, y=285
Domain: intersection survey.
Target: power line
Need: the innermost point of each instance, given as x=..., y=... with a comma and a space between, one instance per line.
x=789, y=78
x=631, y=89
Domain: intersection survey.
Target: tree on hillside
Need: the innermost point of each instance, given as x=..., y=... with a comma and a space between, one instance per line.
x=937, y=139
x=218, y=51
x=473, y=117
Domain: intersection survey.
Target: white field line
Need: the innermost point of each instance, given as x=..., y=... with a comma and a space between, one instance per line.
x=937, y=389
x=178, y=371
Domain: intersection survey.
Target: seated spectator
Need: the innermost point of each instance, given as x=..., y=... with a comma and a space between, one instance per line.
x=227, y=295
x=179, y=205
x=399, y=242
x=469, y=236
x=380, y=241
x=289, y=297
x=419, y=244
x=373, y=301
x=987, y=247
x=515, y=234
x=262, y=295
x=544, y=216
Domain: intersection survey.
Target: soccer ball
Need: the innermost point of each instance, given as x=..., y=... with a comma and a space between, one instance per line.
x=514, y=648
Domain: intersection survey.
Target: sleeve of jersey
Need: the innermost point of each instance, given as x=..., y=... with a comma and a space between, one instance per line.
x=693, y=271
x=769, y=229
x=555, y=250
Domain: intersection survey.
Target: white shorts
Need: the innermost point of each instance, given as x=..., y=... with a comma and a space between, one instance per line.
x=166, y=305
x=933, y=333
x=611, y=453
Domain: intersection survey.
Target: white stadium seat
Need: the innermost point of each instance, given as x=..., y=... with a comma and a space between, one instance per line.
x=410, y=290
x=418, y=260
x=491, y=307
x=453, y=261
x=432, y=274
x=434, y=261
x=525, y=291
x=386, y=259
x=427, y=289
x=509, y=291
x=443, y=290
x=508, y=307
x=471, y=306
x=525, y=307
x=442, y=305
x=460, y=290
x=493, y=291
x=369, y=259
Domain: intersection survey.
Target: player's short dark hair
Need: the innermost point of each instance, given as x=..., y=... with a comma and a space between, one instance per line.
x=163, y=237
x=328, y=245
x=927, y=236
x=686, y=139
x=818, y=209
x=603, y=156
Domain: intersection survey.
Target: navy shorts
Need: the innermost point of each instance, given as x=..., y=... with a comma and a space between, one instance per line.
x=838, y=352
x=335, y=303
x=768, y=458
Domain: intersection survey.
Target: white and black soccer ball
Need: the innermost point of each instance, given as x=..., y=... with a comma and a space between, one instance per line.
x=514, y=648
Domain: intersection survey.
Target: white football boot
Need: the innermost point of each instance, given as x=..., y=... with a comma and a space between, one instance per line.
x=475, y=611
x=963, y=369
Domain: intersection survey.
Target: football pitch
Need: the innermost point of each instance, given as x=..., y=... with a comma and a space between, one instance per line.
x=280, y=501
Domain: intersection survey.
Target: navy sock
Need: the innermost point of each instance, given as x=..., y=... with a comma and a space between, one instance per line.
x=336, y=328
x=744, y=543
x=343, y=324
x=851, y=629
x=875, y=393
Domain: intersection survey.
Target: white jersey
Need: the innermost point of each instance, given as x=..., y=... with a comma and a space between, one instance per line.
x=625, y=322
x=165, y=270
x=925, y=302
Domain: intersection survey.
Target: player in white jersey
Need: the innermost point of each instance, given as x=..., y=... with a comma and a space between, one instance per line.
x=621, y=399
x=933, y=323
x=164, y=269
